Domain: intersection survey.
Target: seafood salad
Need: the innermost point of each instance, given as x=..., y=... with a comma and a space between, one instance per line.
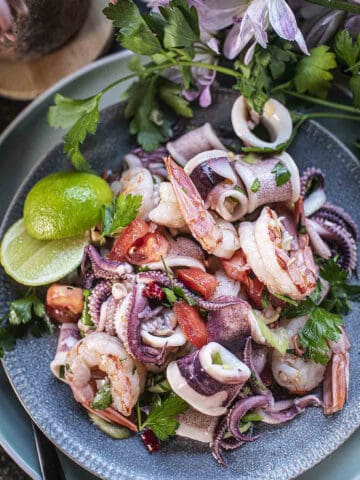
x=210, y=294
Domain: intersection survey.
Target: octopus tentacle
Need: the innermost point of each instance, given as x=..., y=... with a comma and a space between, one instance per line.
x=337, y=215
x=240, y=409
x=97, y=297
x=102, y=268
x=128, y=328
x=310, y=176
x=342, y=242
x=213, y=305
x=218, y=439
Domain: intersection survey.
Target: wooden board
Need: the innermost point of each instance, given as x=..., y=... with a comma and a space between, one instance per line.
x=24, y=80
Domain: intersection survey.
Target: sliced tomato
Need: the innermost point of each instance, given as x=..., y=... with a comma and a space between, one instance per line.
x=129, y=236
x=148, y=249
x=198, y=280
x=192, y=324
x=238, y=269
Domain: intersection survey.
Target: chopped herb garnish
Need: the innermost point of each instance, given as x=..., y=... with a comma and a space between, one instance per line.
x=119, y=214
x=68, y=368
x=238, y=189
x=282, y=174
x=162, y=418
x=103, y=398
x=85, y=316
x=255, y=187
x=286, y=299
x=216, y=358
x=62, y=372
x=324, y=321
x=265, y=299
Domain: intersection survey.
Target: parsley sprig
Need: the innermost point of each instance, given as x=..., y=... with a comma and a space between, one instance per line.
x=119, y=214
x=324, y=320
x=25, y=315
x=162, y=416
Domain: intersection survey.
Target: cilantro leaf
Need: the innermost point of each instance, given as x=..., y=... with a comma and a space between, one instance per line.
x=346, y=49
x=148, y=121
x=255, y=186
x=135, y=34
x=103, y=398
x=321, y=327
x=282, y=174
x=341, y=293
x=82, y=116
x=120, y=214
x=162, y=418
x=170, y=93
x=181, y=29
x=313, y=72
x=25, y=315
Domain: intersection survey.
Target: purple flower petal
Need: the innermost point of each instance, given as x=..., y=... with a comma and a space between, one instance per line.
x=215, y=14
x=352, y=24
x=257, y=13
x=282, y=19
x=238, y=37
x=299, y=39
x=249, y=54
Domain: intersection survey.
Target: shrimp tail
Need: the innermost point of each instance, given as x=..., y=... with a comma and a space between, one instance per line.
x=111, y=415
x=336, y=380
x=192, y=207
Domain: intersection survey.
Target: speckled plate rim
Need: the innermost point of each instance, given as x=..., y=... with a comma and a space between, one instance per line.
x=298, y=467
x=7, y=132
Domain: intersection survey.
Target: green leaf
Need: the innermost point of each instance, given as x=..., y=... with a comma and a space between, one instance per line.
x=354, y=85
x=303, y=308
x=282, y=174
x=87, y=123
x=162, y=418
x=120, y=214
x=320, y=327
x=170, y=295
x=170, y=93
x=82, y=116
x=135, y=34
x=286, y=299
x=182, y=24
x=148, y=122
x=103, y=398
x=346, y=49
x=313, y=72
x=7, y=340
x=21, y=311
x=255, y=187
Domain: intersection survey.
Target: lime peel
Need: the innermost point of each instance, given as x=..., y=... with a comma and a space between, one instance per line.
x=35, y=262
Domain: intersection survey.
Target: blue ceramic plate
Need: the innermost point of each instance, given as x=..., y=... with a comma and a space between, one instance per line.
x=282, y=452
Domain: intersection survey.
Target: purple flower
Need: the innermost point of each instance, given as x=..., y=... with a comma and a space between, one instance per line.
x=254, y=24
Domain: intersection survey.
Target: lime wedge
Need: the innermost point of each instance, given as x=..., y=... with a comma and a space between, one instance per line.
x=39, y=262
x=65, y=204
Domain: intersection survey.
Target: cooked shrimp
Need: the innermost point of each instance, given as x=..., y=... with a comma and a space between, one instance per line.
x=296, y=374
x=139, y=181
x=216, y=236
x=99, y=355
x=336, y=381
x=294, y=270
x=167, y=212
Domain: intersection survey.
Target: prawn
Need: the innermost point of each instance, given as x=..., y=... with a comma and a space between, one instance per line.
x=215, y=235
x=100, y=358
x=293, y=267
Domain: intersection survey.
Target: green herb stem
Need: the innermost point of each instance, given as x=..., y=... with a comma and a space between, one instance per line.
x=138, y=411
x=324, y=103
x=338, y=5
x=158, y=68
